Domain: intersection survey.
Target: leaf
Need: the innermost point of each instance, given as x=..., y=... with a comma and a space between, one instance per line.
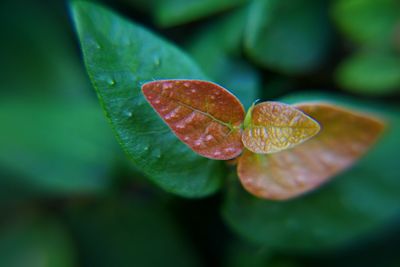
x=272, y=126
x=202, y=114
x=36, y=242
x=175, y=12
x=130, y=232
x=356, y=205
x=120, y=56
x=288, y=36
x=344, y=137
x=367, y=21
x=218, y=50
x=370, y=73
x=55, y=148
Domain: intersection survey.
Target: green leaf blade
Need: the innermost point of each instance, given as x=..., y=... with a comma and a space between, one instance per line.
x=370, y=73
x=116, y=54
x=286, y=36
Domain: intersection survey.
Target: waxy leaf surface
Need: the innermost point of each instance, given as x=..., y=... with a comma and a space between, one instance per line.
x=275, y=126
x=202, y=114
x=344, y=137
x=120, y=57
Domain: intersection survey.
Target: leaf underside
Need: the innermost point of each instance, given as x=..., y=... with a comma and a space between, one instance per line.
x=275, y=126
x=344, y=137
x=202, y=114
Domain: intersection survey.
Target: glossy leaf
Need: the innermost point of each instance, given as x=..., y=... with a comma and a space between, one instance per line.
x=120, y=56
x=370, y=73
x=272, y=126
x=288, y=36
x=345, y=136
x=368, y=21
x=202, y=114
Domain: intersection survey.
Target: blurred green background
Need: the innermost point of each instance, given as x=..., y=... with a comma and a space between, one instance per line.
x=69, y=196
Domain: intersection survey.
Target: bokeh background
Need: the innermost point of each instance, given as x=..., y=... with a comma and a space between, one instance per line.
x=70, y=197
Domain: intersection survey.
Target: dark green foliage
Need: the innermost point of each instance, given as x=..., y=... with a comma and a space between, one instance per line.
x=36, y=242
x=70, y=196
x=288, y=36
x=54, y=148
x=122, y=232
x=374, y=26
x=370, y=72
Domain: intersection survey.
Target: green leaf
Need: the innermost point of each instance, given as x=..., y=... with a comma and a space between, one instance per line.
x=120, y=56
x=36, y=242
x=175, y=12
x=217, y=49
x=130, y=232
x=370, y=73
x=367, y=21
x=353, y=205
x=55, y=148
x=288, y=36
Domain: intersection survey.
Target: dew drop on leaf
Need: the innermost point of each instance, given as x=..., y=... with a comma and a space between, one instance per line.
x=157, y=61
x=111, y=81
x=128, y=114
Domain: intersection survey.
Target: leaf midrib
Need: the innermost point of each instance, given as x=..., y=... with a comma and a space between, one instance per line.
x=228, y=125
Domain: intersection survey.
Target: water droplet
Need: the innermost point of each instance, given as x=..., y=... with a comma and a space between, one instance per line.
x=128, y=113
x=180, y=126
x=146, y=148
x=167, y=85
x=168, y=117
x=209, y=137
x=229, y=149
x=157, y=61
x=197, y=143
x=217, y=153
x=111, y=81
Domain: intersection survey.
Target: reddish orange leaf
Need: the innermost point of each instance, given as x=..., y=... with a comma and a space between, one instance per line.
x=272, y=126
x=203, y=115
x=344, y=137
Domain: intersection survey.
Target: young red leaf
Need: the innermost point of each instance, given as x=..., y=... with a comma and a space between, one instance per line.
x=344, y=137
x=272, y=126
x=202, y=114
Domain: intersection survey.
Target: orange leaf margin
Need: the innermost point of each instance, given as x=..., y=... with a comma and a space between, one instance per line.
x=345, y=136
